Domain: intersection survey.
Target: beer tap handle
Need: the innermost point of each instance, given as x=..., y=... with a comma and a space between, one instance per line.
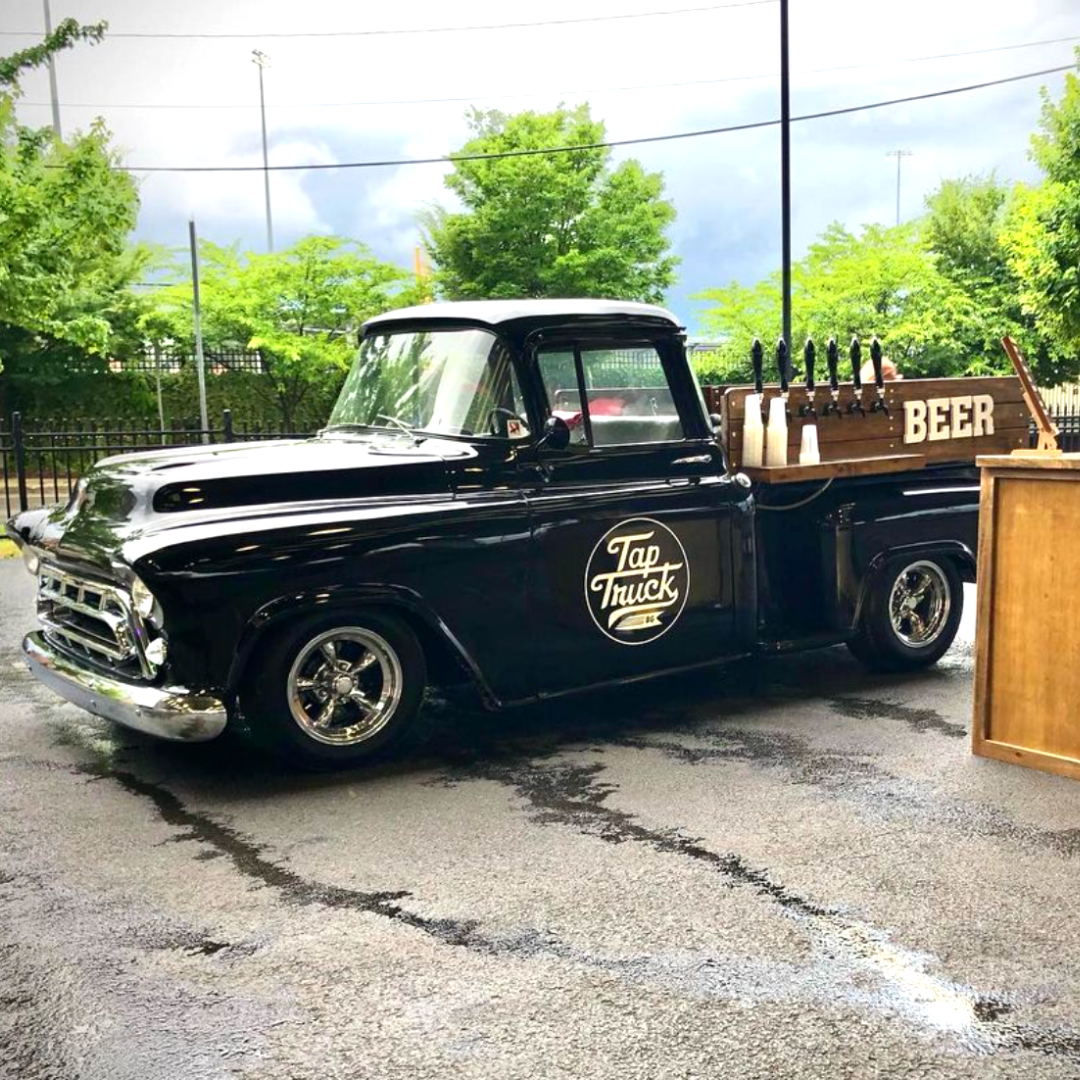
x=879, y=378
x=809, y=356
x=757, y=358
x=856, y=405
x=832, y=358
x=782, y=364
x=875, y=358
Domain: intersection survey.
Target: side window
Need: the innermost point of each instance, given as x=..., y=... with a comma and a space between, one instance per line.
x=628, y=399
x=558, y=372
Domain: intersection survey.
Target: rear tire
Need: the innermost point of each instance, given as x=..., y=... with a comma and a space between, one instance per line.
x=910, y=615
x=334, y=691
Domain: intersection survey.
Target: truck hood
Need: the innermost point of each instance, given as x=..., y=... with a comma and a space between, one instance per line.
x=126, y=497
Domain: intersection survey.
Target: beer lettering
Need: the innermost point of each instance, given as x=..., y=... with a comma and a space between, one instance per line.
x=965, y=417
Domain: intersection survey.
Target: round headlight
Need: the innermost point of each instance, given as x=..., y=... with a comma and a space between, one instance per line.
x=30, y=557
x=142, y=598
x=156, y=651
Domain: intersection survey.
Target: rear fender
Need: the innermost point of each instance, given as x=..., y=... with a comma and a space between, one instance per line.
x=962, y=557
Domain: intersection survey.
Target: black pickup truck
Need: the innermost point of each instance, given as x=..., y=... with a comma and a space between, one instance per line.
x=527, y=495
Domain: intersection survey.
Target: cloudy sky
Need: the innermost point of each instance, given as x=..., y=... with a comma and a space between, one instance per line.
x=344, y=97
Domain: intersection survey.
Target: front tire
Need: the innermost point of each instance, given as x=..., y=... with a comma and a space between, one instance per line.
x=334, y=691
x=911, y=614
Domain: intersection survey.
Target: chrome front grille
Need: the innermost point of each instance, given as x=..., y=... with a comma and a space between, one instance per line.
x=92, y=619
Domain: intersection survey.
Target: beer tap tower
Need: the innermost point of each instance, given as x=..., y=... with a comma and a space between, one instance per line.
x=892, y=429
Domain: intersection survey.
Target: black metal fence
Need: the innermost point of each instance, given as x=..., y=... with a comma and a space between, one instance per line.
x=1068, y=432
x=41, y=462
x=170, y=361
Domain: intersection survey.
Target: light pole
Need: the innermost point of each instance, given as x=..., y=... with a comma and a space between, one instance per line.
x=52, y=76
x=899, y=155
x=785, y=172
x=261, y=60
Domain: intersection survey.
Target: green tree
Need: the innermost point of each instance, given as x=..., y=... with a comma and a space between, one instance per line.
x=1042, y=234
x=964, y=228
x=882, y=281
x=301, y=308
x=65, y=213
x=550, y=224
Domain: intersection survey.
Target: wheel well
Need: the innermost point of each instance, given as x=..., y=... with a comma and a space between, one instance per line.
x=445, y=667
x=962, y=561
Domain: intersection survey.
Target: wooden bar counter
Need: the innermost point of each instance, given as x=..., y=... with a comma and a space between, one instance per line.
x=1027, y=652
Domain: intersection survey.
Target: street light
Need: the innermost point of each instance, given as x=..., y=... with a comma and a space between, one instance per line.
x=899, y=155
x=261, y=60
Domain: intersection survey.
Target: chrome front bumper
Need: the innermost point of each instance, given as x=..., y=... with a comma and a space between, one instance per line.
x=168, y=712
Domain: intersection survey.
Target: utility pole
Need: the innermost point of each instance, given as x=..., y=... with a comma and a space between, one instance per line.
x=899, y=155
x=52, y=76
x=200, y=362
x=261, y=60
x=785, y=169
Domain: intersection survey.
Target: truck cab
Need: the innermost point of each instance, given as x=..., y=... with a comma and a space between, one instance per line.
x=529, y=496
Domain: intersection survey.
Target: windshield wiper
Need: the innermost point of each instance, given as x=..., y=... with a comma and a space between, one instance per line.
x=394, y=420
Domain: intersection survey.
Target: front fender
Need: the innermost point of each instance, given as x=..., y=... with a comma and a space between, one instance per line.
x=406, y=602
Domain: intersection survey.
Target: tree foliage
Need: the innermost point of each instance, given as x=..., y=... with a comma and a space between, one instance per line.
x=66, y=34
x=65, y=214
x=550, y=224
x=881, y=281
x=301, y=308
x=1042, y=234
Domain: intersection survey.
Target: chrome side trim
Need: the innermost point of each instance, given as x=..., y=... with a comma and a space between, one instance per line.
x=169, y=712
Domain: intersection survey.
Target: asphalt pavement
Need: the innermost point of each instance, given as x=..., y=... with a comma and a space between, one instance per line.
x=782, y=869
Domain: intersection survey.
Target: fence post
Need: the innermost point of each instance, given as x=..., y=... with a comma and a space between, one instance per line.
x=20, y=458
x=226, y=425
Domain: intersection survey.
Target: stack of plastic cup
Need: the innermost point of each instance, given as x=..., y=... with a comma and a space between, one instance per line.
x=753, y=433
x=776, y=437
x=808, y=450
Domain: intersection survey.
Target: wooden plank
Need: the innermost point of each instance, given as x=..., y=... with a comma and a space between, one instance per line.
x=881, y=434
x=833, y=470
x=1002, y=388
x=984, y=586
x=952, y=450
x=1031, y=759
x=1011, y=415
x=1026, y=688
x=1051, y=462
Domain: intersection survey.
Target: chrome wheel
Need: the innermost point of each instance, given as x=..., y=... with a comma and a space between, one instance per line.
x=919, y=604
x=344, y=686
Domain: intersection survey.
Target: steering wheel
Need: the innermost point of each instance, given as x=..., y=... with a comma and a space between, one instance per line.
x=499, y=413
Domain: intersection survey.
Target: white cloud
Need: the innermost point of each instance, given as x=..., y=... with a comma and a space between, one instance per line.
x=725, y=187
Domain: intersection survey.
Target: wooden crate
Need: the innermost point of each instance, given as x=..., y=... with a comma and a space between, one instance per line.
x=854, y=444
x=1027, y=652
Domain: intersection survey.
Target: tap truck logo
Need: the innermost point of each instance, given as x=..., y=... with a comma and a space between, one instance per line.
x=637, y=581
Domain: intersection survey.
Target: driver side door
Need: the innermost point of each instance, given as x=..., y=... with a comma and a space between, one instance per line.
x=631, y=524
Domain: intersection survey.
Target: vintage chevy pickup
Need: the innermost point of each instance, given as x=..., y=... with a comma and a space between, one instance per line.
x=530, y=496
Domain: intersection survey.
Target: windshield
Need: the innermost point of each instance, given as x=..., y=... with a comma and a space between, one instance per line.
x=445, y=382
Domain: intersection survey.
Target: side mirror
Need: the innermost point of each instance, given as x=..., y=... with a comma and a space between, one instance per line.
x=556, y=434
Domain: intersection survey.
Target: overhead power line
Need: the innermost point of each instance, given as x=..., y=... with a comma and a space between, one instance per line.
x=451, y=158
x=464, y=98
x=252, y=35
